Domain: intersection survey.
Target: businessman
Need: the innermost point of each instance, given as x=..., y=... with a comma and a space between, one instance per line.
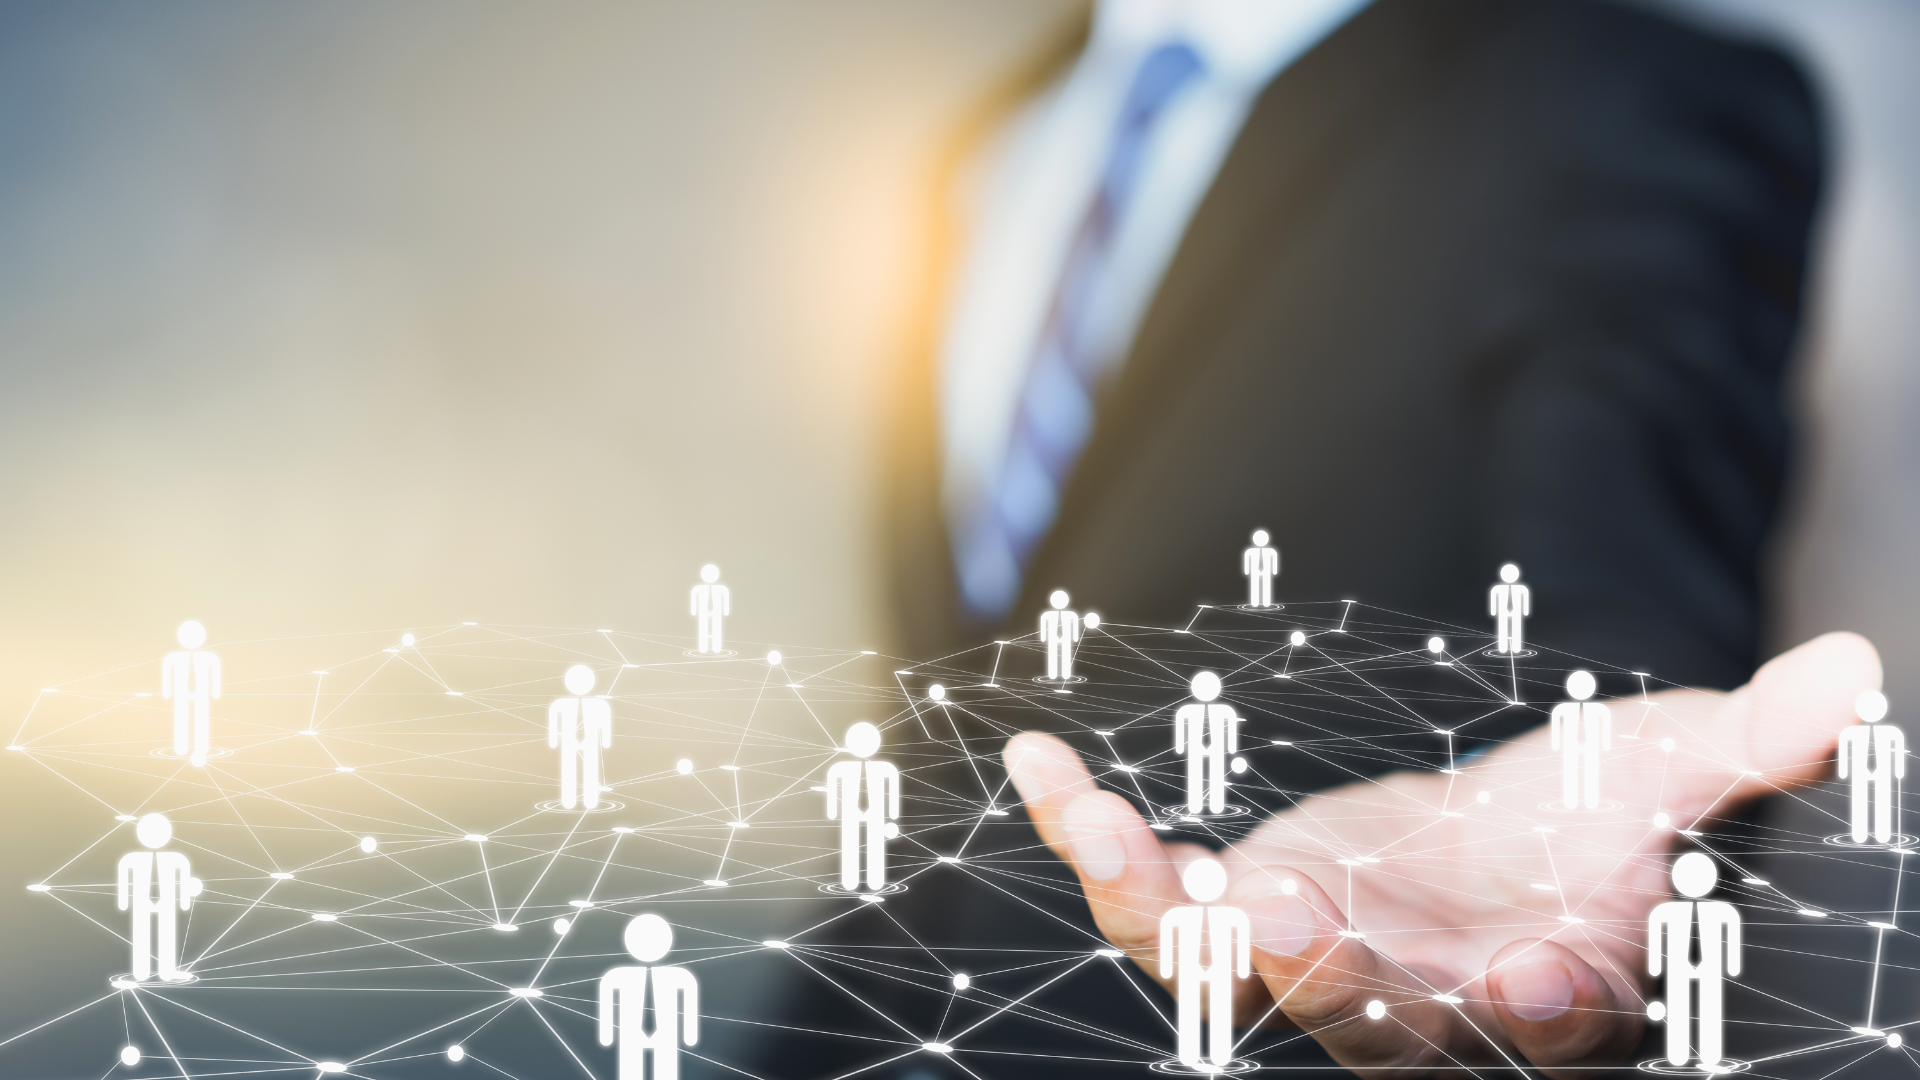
x=1425, y=286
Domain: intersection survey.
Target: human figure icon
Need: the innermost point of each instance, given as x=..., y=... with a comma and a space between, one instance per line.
x=1874, y=756
x=624, y=1001
x=1509, y=603
x=1694, y=876
x=712, y=601
x=1261, y=564
x=1205, y=732
x=190, y=679
x=1581, y=730
x=581, y=727
x=1059, y=632
x=156, y=885
x=1204, y=990
x=879, y=814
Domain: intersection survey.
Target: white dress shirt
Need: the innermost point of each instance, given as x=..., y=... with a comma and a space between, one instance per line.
x=1037, y=179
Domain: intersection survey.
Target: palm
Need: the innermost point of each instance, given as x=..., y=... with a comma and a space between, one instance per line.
x=1531, y=915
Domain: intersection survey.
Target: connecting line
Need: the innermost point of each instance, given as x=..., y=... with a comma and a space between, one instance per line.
x=993, y=677
x=563, y=1043
x=1880, y=934
x=161, y=1035
x=1002, y=1010
x=542, y=876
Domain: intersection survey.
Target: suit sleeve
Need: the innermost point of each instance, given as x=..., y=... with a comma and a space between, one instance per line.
x=1633, y=368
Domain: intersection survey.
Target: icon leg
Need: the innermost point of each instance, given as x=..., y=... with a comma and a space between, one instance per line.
x=1679, y=1017
x=1862, y=797
x=1196, y=781
x=850, y=850
x=142, y=942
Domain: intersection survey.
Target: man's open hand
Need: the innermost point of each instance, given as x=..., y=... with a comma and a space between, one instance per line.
x=1533, y=918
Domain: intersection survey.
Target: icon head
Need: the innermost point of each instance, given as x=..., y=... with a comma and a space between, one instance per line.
x=1205, y=880
x=1694, y=874
x=1058, y=599
x=863, y=739
x=1260, y=538
x=1510, y=573
x=579, y=680
x=154, y=831
x=1870, y=706
x=191, y=635
x=709, y=573
x=1580, y=685
x=648, y=937
x=1205, y=686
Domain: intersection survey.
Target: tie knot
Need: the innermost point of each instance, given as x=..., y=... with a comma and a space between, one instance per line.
x=1170, y=66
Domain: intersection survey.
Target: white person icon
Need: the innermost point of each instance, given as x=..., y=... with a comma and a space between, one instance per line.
x=1205, y=731
x=580, y=726
x=1260, y=564
x=1581, y=730
x=880, y=783
x=1509, y=603
x=191, y=680
x=156, y=885
x=1204, y=989
x=1059, y=632
x=1873, y=755
x=1694, y=875
x=623, y=1002
x=711, y=602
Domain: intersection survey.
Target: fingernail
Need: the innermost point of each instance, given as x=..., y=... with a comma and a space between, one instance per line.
x=1539, y=991
x=1282, y=925
x=1091, y=833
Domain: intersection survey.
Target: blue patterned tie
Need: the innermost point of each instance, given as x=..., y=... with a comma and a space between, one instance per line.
x=1055, y=416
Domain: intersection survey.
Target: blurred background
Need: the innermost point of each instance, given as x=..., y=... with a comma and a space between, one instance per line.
x=357, y=316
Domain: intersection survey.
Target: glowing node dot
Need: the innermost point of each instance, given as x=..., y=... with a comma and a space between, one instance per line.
x=1298, y=638
x=684, y=766
x=961, y=980
x=369, y=845
x=1894, y=1040
x=562, y=925
x=1289, y=887
x=1484, y=797
x=457, y=1053
x=407, y=640
x=1656, y=1011
x=936, y=692
x=1091, y=620
x=1667, y=745
x=1661, y=820
x=1436, y=645
x=773, y=658
x=1376, y=1009
x=1239, y=765
x=130, y=1056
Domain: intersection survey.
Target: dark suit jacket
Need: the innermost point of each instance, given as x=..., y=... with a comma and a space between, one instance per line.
x=1481, y=280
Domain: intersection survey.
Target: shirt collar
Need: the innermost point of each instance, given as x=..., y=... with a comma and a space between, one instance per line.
x=1242, y=41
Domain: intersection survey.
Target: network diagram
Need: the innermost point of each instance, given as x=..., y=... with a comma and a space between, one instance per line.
x=553, y=851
